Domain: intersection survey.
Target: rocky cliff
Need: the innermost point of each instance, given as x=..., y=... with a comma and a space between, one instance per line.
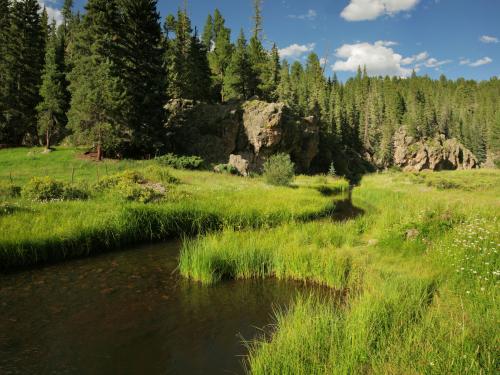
x=244, y=133
x=434, y=154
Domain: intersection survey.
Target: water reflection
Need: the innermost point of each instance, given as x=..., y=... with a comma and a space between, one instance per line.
x=130, y=313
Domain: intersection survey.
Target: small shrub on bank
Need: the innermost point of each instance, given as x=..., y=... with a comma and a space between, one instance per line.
x=10, y=191
x=132, y=177
x=279, y=170
x=45, y=189
x=162, y=174
x=139, y=193
x=180, y=162
x=226, y=169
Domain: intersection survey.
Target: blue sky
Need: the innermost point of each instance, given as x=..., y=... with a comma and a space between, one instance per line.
x=458, y=38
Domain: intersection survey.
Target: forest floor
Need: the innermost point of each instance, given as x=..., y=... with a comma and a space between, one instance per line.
x=418, y=264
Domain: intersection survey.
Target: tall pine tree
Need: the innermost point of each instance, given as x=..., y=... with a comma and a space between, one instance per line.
x=24, y=57
x=143, y=75
x=96, y=114
x=238, y=81
x=51, y=109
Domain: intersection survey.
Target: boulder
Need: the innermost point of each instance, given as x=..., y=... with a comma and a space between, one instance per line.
x=245, y=133
x=433, y=154
x=240, y=163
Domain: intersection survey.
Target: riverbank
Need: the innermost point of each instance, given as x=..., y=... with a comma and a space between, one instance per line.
x=419, y=269
x=197, y=202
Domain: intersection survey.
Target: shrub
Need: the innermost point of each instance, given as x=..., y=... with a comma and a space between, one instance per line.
x=332, y=172
x=279, y=170
x=138, y=193
x=45, y=189
x=226, y=169
x=108, y=182
x=10, y=190
x=180, y=162
x=162, y=174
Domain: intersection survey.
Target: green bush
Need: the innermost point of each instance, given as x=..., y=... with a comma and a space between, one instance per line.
x=226, y=169
x=279, y=170
x=162, y=174
x=45, y=189
x=9, y=190
x=128, y=176
x=181, y=162
x=137, y=193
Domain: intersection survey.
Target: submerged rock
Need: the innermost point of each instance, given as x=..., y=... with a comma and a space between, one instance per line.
x=245, y=133
x=434, y=154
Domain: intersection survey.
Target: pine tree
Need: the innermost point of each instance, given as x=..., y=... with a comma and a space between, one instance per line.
x=271, y=76
x=285, y=85
x=96, y=114
x=257, y=55
x=51, y=108
x=24, y=58
x=238, y=81
x=143, y=75
x=208, y=33
x=200, y=76
x=4, y=66
x=179, y=74
x=220, y=55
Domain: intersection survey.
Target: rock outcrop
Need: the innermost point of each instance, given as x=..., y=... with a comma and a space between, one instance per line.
x=245, y=133
x=434, y=154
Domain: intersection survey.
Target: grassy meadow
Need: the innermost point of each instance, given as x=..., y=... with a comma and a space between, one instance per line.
x=418, y=270
x=35, y=232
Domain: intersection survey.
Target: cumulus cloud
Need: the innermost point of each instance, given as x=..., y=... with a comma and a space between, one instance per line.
x=310, y=15
x=488, y=39
x=415, y=58
x=378, y=58
x=52, y=11
x=475, y=64
x=295, y=51
x=434, y=63
x=364, y=10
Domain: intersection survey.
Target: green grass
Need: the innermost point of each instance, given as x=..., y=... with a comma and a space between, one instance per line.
x=203, y=201
x=420, y=271
x=417, y=275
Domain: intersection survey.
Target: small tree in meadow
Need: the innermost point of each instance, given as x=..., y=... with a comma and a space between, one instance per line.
x=279, y=170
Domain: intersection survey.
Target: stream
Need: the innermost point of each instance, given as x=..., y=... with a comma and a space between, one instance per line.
x=130, y=312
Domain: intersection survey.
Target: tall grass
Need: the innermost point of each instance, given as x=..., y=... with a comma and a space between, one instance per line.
x=38, y=232
x=420, y=270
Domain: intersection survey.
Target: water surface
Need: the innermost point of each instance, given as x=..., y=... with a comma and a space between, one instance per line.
x=130, y=313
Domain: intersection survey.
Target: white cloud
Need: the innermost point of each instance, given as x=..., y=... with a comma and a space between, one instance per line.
x=475, y=64
x=295, y=51
x=54, y=13
x=488, y=39
x=434, y=63
x=415, y=58
x=363, y=10
x=378, y=58
x=310, y=15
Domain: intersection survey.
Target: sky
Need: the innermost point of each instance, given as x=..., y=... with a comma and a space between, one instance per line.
x=458, y=38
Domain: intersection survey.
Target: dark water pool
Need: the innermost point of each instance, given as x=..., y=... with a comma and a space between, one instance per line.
x=130, y=313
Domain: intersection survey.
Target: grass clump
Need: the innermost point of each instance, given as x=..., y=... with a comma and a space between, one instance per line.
x=226, y=169
x=9, y=190
x=46, y=189
x=181, y=162
x=279, y=170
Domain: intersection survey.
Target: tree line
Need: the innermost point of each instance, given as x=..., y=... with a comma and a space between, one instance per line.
x=103, y=77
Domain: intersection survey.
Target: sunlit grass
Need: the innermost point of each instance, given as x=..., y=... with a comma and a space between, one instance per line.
x=423, y=295
x=203, y=201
